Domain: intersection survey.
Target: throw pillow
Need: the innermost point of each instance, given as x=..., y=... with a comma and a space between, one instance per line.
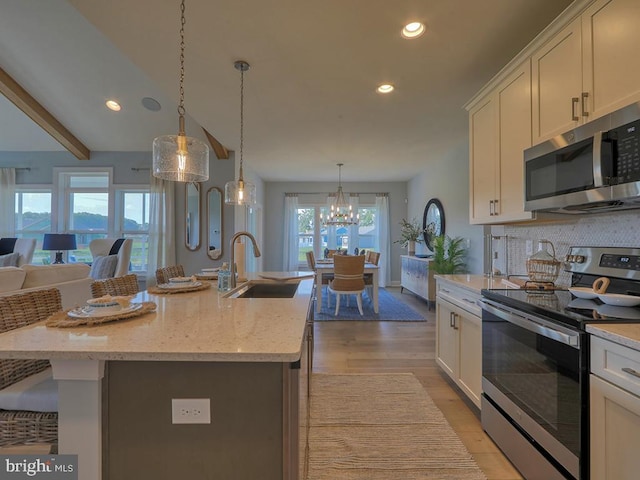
x=103, y=267
x=9, y=260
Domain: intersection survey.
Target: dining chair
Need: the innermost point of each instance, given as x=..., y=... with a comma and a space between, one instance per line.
x=24, y=426
x=127, y=285
x=348, y=272
x=374, y=258
x=165, y=273
x=326, y=278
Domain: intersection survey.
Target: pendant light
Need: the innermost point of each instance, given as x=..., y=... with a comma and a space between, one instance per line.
x=240, y=192
x=177, y=157
x=341, y=212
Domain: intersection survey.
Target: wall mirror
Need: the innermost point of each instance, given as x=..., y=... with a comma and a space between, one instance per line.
x=432, y=222
x=214, y=223
x=192, y=216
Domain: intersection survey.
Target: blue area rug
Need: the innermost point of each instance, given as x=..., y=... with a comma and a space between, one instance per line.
x=390, y=309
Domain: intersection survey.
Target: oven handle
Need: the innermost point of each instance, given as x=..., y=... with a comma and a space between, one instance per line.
x=528, y=323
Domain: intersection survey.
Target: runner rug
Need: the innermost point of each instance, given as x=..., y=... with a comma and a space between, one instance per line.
x=381, y=427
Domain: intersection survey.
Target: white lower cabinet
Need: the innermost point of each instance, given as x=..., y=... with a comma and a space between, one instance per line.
x=459, y=338
x=615, y=411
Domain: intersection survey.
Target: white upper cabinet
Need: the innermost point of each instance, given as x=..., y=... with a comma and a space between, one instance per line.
x=500, y=129
x=611, y=35
x=588, y=69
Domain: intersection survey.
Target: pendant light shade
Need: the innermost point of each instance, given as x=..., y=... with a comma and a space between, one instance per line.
x=240, y=192
x=177, y=157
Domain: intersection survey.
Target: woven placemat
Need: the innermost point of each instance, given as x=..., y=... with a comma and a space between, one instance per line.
x=170, y=291
x=63, y=320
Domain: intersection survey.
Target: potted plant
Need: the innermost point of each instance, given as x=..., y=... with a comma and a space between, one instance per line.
x=410, y=233
x=448, y=255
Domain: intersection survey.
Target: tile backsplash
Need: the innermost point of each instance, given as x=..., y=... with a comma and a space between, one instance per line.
x=618, y=229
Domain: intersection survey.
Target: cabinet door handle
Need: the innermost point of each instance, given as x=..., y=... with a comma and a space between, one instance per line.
x=451, y=319
x=455, y=327
x=631, y=371
x=472, y=302
x=585, y=96
x=491, y=208
x=495, y=207
x=574, y=104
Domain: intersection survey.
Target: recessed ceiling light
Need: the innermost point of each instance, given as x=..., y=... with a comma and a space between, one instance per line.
x=113, y=105
x=385, y=88
x=413, y=30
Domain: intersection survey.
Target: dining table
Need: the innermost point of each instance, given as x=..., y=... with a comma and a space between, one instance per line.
x=325, y=267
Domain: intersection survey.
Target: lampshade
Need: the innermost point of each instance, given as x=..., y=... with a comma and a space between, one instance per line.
x=59, y=241
x=177, y=157
x=240, y=192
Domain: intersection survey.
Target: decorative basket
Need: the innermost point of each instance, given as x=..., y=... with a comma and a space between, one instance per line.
x=543, y=266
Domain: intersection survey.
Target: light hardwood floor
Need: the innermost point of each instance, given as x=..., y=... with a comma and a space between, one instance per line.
x=366, y=347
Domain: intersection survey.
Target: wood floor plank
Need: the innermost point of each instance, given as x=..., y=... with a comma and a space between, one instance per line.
x=399, y=347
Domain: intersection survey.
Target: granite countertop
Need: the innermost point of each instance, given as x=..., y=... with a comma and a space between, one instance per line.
x=190, y=326
x=627, y=334
x=474, y=283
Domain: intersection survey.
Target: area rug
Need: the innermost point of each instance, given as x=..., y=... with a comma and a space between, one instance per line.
x=381, y=427
x=389, y=309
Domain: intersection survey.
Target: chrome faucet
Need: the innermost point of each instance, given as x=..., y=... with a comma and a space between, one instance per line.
x=256, y=253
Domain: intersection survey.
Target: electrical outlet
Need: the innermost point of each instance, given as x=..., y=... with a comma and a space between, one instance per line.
x=190, y=410
x=529, y=248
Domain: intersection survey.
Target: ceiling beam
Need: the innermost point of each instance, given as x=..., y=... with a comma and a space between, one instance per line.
x=220, y=150
x=34, y=110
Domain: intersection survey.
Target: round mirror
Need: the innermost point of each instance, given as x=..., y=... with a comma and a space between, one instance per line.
x=432, y=221
x=192, y=216
x=214, y=223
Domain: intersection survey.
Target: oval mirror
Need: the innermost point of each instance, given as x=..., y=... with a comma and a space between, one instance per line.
x=432, y=221
x=214, y=223
x=192, y=216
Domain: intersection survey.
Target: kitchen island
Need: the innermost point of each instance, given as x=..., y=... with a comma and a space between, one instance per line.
x=117, y=381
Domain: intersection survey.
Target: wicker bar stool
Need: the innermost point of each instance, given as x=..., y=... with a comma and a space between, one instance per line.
x=18, y=427
x=165, y=273
x=126, y=285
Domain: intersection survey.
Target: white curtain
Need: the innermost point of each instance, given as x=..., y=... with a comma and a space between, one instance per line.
x=354, y=201
x=331, y=229
x=290, y=244
x=7, y=202
x=162, y=234
x=384, y=239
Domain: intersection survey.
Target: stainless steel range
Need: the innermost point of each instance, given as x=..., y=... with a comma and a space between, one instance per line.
x=535, y=363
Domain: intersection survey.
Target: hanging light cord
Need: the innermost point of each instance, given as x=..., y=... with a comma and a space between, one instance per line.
x=241, y=118
x=181, y=110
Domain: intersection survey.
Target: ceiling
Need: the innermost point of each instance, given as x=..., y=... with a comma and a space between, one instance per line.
x=310, y=99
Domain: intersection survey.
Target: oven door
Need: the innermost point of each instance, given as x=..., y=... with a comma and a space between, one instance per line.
x=531, y=372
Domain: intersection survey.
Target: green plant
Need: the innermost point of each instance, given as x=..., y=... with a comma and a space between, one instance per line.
x=410, y=232
x=448, y=255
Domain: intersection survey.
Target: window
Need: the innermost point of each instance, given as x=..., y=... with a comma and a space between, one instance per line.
x=33, y=218
x=313, y=235
x=95, y=208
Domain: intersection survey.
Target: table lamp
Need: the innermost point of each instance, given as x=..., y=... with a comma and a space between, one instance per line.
x=59, y=242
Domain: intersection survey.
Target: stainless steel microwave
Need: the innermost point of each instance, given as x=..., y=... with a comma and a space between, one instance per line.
x=591, y=169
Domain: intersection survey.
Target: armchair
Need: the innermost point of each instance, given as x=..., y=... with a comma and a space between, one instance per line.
x=25, y=248
x=103, y=247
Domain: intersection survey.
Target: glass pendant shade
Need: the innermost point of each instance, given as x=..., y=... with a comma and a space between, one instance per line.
x=180, y=159
x=240, y=192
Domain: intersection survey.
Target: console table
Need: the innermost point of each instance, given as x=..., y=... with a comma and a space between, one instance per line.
x=417, y=277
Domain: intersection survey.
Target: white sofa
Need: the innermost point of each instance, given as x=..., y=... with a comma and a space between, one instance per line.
x=72, y=279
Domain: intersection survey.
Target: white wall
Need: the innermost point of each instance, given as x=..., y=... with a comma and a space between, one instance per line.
x=447, y=179
x=274, y=215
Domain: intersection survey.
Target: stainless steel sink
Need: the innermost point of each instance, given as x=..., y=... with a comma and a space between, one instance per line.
x=266, y=290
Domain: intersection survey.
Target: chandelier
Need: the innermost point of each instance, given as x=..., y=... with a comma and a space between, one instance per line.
x=341, y=213
x=240, y=192
x=177, y=157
